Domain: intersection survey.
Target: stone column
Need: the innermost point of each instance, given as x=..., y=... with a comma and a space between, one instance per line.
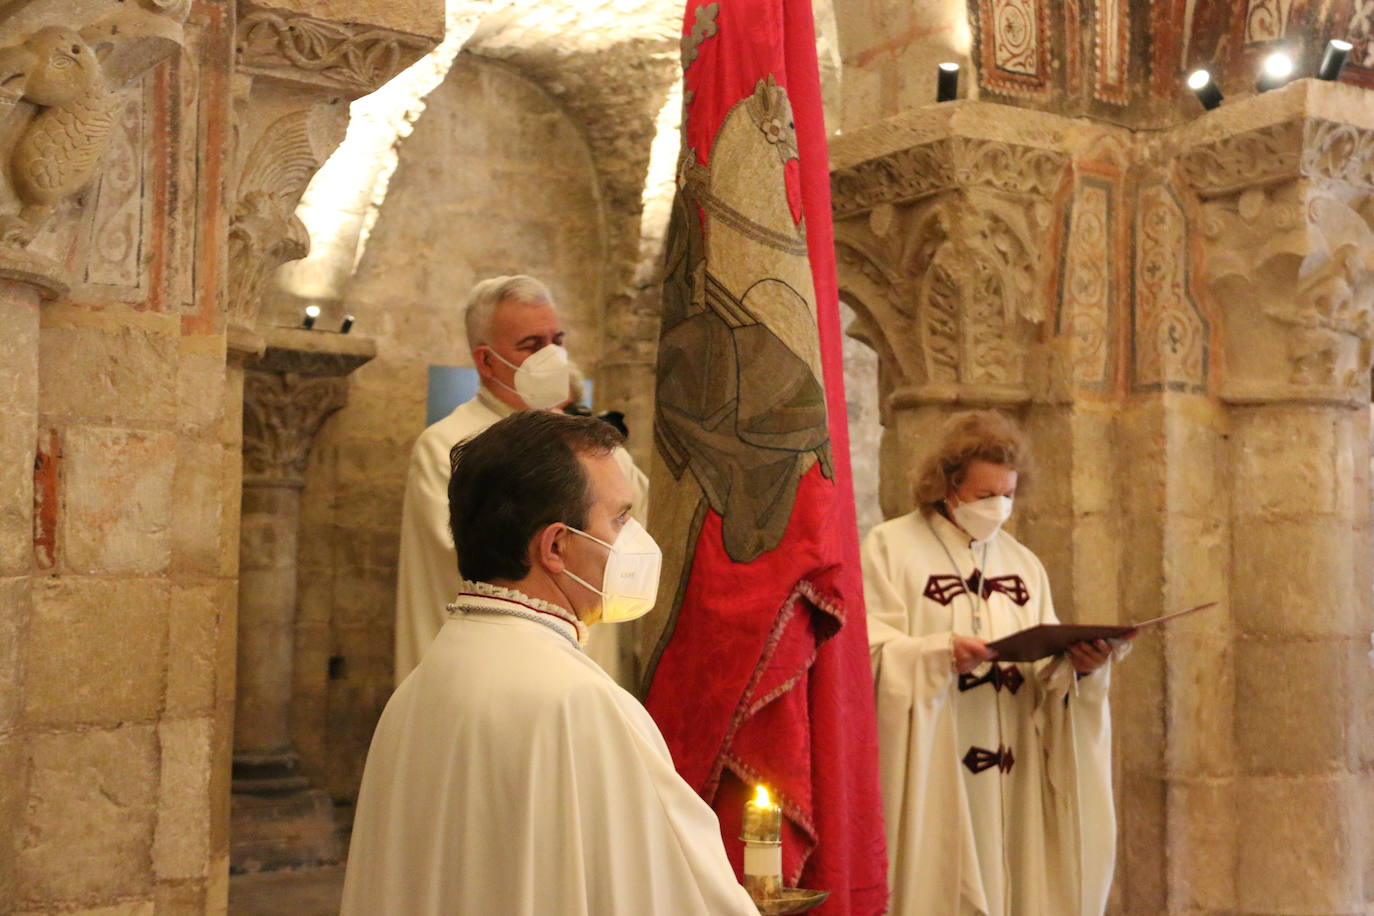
x=294, y=78
x=1287, y=206
x=289, y=392
x=19, y=302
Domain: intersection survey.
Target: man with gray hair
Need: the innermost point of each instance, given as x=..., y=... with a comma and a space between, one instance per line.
x=516, y=339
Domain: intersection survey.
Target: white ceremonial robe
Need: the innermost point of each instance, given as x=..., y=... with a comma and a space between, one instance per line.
x=996, y=784
x=427, y=577
x=510, y=776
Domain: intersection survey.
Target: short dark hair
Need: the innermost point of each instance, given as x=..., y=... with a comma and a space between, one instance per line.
x=519, y=475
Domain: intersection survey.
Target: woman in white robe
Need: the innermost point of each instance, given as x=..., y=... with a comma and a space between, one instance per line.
x=996, y=776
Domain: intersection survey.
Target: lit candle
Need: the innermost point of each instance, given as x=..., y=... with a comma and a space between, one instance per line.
x=762, y=836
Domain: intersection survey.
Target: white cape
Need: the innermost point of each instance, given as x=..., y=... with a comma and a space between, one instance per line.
x=427, y=577
x=1033, y=836
x=510, y=776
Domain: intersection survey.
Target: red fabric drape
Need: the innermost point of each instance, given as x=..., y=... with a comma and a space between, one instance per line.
x=765, y=675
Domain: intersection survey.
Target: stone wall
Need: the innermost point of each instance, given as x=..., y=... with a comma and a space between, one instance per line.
x=495, y=179
x=889, y=51
x=137, y=210
x=120, y=526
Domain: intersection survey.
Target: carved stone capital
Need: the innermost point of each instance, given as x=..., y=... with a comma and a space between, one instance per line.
x=1291, y=266
x=941, y=250
x=282, y=412
x=342, y=56
x=62, y=65
x=946, y=164
x=1287, y=226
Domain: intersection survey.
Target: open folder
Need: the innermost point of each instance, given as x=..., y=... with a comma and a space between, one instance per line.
x=1046, y=639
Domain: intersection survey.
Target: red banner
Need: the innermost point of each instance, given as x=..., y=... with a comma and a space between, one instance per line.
x=758, y=669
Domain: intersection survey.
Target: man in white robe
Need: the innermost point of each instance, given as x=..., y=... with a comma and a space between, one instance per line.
x=509, y=775
x=996, y=776
x=508, y=320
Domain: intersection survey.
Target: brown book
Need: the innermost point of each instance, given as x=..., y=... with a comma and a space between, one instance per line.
x=1046, y=639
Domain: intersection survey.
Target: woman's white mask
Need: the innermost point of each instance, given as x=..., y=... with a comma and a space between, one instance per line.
x=982, y=518
x=543, y=380
x=630, y=583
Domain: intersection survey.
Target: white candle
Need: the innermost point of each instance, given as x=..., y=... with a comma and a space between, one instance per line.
x=762, y=836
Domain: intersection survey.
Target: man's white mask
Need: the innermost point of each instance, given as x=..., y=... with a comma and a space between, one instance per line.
x=630, y=582
x=982, y=518
x=543, y=380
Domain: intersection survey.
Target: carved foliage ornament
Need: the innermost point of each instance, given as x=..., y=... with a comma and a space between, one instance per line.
x=1313, y=148
x=352, y=56
x=918, y=171
x=265, y=231
x=282, y=412
x=970, y=312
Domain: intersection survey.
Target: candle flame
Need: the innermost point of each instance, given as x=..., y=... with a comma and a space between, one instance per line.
x=761, y=798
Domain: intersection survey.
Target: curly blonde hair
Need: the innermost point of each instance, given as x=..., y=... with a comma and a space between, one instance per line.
x=975, y=435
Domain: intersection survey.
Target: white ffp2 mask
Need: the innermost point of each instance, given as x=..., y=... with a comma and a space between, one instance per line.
x=630, y=582
x=543, y=380
x=982, y=518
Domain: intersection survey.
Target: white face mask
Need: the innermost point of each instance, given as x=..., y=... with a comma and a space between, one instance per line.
x=981, y=518
x=543, y=380
x=630, y=582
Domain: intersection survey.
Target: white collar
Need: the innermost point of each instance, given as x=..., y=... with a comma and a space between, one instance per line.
x=493, y=403
x=487, y=598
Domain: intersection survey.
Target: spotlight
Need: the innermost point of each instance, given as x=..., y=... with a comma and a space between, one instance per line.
x=1333, y=60
x=1205, y=88
x=347, y=324
x=311, y=313
x=1278, y=67
x=947, y=82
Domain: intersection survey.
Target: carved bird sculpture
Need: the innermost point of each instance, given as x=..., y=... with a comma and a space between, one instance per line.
x=58, y=153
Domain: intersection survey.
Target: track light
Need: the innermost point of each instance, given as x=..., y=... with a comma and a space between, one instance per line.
x=347, y=324
x=1333, y=61
x=1205, y=88
x=1278, y=68
x=311, y=313
x=947, y=82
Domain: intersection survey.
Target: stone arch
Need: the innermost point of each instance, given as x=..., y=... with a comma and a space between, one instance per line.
x=870, y=291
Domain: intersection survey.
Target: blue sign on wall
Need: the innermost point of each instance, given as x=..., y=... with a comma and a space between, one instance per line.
x=449, y=386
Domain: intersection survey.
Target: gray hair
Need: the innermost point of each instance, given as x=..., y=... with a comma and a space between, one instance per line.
x=488, y=294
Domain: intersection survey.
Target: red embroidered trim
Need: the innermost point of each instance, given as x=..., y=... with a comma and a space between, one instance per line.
x=803, y=589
